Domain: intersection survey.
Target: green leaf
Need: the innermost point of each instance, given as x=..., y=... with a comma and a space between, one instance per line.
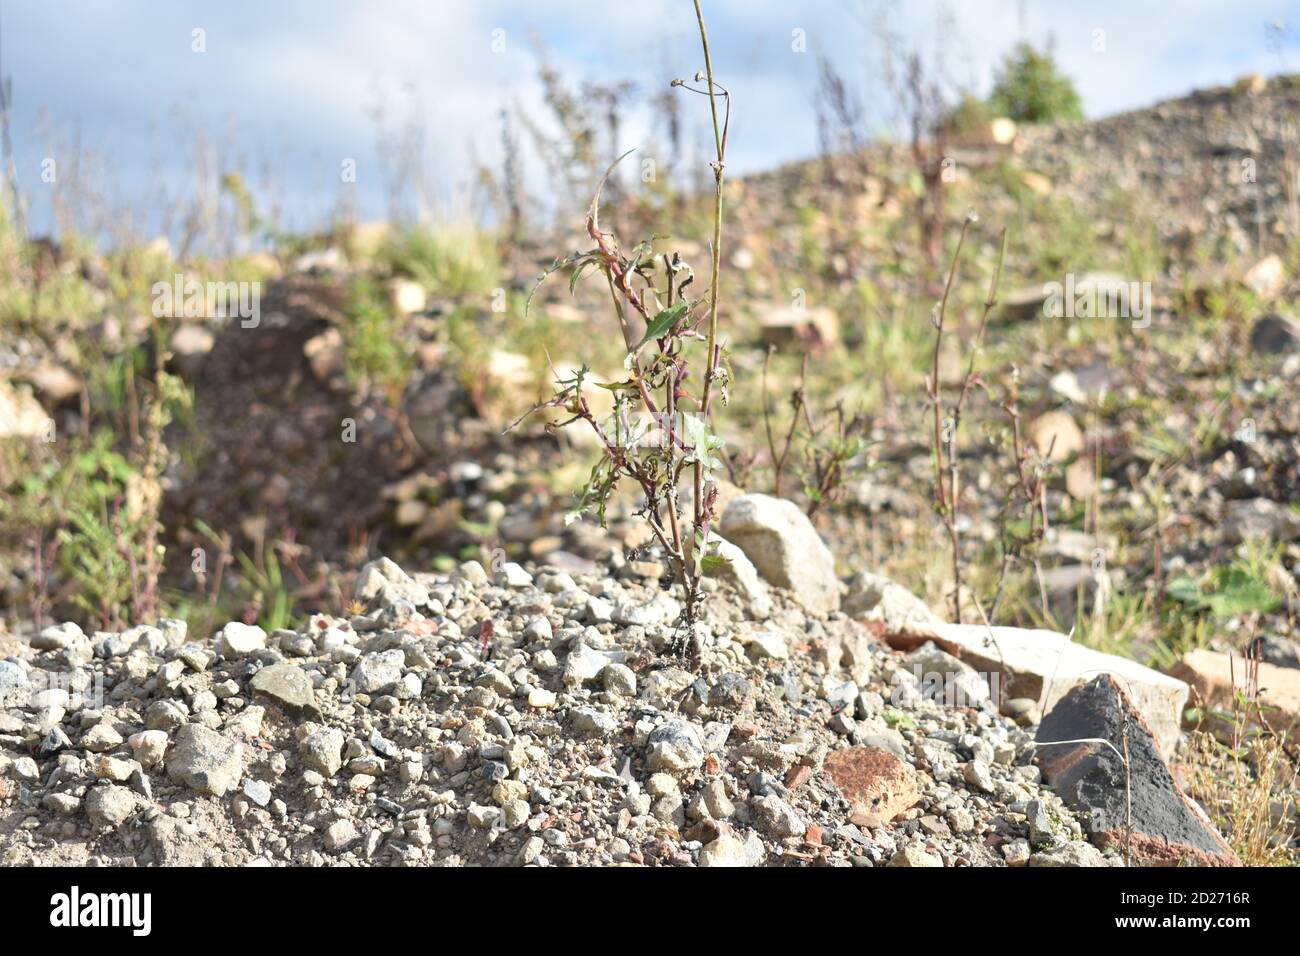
x=1240, y=593
x=662, y=323
x=1185, y=590
x=629, y=385
x=1232, y=591
x=713, y=562
x=579, y=270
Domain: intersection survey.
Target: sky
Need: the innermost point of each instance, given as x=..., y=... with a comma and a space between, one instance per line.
x=155, y=97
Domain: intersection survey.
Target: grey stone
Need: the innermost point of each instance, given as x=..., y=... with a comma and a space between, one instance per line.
x=1094, y=780
x=726, y=850
x=731, y=690
x=738, y=571
x=237, y=640
x=876, y=597
x=13, y=680
x=340, y=835
x=1076, y=853
x=322, y=751
x=777, y=817
x=913, y=855
x=381, y=583
x=53, y=742
x=258, y=791
x=376, y=673
x=976, y=773
x=109, y=806
x=289, y=687
x=1274, y=335
x=946, y=678
x=1263, y=519
x=205, y=761
x=57, y=637
x=589, y=720
x=675, y=747
x=619, y=679
x=1041, y=832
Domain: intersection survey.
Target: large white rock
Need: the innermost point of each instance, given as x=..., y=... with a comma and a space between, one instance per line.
x=239, y=640
x=382, y=583
x=1217, y=679
x=740, y=572
x=784, y=546
x=1045, y=665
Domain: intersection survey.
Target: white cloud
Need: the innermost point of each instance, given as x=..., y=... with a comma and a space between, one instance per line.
x=292, y=86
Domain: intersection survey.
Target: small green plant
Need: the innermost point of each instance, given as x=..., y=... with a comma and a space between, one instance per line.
x=1241, y=587
x=659, y=435
x=450, y=262
x=825, y=444
x=373, y=356
x=270, y=601
x=1030, y=89
x=971, y=114
x=110, y=550
x=260, y=591
x=93, y=558
x=898, y=719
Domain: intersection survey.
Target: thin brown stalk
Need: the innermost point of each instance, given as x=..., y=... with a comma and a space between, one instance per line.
x=701, y=508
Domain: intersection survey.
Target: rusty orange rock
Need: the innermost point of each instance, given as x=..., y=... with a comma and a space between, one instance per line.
x=878, y=784
x=797, y=776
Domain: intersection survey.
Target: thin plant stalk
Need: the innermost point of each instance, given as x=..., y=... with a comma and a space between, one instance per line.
x=703, y=495
x=660, y=382
x=948, y=497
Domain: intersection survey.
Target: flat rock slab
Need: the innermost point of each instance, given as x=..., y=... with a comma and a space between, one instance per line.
x=1211, y=675
x=1044, y=666
x=877, y=784
x=288, y=687
x=1168, y=829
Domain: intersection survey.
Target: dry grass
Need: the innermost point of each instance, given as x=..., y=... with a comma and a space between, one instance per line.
x=1250, y=793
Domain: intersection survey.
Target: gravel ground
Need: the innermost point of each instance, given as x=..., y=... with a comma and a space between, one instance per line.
x=526, y=717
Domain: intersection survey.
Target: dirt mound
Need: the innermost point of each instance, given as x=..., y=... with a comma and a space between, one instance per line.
x=1214, y=161
x=279, y=446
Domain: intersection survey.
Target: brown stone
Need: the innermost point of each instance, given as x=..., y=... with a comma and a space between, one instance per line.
x=1210, y=675
x=878, y=784
x=1056, y=436
x=797, y=776
x=1267, y=278
x=815, y=328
